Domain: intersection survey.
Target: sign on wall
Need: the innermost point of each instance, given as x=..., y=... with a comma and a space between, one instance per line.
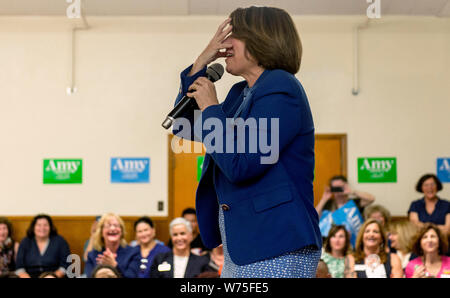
x=62, y=171
x=130, y=170
x=443, y=169
x=200, y=160
x=377, y=169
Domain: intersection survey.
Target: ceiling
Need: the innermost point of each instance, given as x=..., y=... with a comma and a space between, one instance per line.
x=439, y=8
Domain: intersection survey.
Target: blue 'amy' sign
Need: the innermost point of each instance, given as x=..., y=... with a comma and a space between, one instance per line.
x=130, y=170
x=443, y=169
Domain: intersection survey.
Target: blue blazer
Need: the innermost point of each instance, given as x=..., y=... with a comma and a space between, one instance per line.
x=268, y=208
x=128, y=261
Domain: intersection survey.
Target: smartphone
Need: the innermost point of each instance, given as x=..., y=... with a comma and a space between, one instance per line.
x=337, y=189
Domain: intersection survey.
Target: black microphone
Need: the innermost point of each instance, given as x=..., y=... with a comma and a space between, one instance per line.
x=213, y=73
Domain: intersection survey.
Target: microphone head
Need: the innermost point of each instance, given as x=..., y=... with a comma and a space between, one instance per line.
x=214, y=72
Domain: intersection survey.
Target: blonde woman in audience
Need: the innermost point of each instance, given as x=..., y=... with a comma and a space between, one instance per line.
x=401, y=237
x=110, y=248
x=336, y=250
x=430, y=245
x=370, y=259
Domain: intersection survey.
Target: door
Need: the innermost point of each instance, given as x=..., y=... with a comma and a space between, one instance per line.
x=331, y=160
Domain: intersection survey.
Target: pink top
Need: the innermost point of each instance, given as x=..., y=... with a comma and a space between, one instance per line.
x=444, y=272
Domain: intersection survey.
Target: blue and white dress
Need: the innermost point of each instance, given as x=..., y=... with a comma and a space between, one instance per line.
x=297, y=264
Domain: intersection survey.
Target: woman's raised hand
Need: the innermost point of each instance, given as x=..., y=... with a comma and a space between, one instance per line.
x=214, y=47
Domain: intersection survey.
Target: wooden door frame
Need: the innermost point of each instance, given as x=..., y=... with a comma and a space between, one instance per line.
x=343, y=141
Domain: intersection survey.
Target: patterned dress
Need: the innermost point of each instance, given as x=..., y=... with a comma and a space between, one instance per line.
x=297, y=264
x=336, y=266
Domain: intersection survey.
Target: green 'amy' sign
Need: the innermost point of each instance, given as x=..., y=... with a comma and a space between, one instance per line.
x=377, y=169
x=58, y=171
x=200, y=160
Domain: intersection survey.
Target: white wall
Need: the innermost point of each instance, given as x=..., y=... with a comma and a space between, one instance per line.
x=127, y=72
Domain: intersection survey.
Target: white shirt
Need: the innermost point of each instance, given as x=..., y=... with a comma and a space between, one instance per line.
x=179, y=266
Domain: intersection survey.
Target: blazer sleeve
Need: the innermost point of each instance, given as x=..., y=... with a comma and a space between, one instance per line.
x=64, y=252
x=183, y=127
x=283, y=115
x=154, y=273
x=90, y=263
x=21, y=252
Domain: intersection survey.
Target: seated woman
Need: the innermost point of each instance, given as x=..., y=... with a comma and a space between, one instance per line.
x=42, y=250
x=336, y=251
x=430, y=245
x=180, y=262
x=430, y=208
x=370, y=259
x=149, y=246
x=401, y=234
x=110, y=248
x=8, y=247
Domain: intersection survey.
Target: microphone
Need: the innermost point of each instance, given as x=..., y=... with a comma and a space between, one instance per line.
x=213, y=73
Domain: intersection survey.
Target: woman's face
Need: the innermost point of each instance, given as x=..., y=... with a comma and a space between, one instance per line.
x=237, y=61
x=337, y=242
x=429, y=188
x=42, y=228
x=181, y=237
x=3, y=233
x=144, y=233
x=112, y=231
x=393, y=236
x=372, y=236
x=430, y=242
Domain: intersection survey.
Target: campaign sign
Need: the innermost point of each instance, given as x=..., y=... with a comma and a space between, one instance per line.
x=200, y=160
x=377, y=169
x=61, y=171
x=130, y=170
x=443, y=169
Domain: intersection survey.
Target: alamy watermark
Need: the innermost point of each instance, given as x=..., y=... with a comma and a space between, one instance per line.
x=374, y=9
x=255, y=136
x=74, y=10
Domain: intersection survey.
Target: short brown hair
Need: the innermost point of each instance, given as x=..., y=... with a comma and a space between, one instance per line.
x=270, y=37
x=426, y=177
x=333, y=231
x=443, y=244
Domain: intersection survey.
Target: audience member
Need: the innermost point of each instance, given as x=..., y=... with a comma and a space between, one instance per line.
x=89, y=244
x=340, y=205
x=430, y=246
x=430, y=208
x=149, y=247
x=370, y=259
x=379, y=213
x=197, y=245
x=48, y=274
x=336, y=250
x=105, y=271
x=42, y=250
x=322, y=270
x=110, y=248
x=180, y=262
x=8, y=247
x=401, y=237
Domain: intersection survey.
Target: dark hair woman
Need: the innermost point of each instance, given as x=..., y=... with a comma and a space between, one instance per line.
x=42, y=249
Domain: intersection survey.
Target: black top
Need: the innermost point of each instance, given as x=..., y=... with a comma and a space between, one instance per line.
x=30, y=259
x=195, y=266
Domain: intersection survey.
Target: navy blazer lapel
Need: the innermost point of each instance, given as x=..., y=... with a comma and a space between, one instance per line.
x=189, y=266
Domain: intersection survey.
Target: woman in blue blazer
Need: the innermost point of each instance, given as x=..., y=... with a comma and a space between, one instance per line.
x=256, y=190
